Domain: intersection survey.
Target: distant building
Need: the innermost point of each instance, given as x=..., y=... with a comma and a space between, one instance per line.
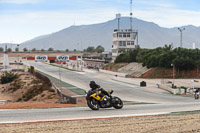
x=123, y=40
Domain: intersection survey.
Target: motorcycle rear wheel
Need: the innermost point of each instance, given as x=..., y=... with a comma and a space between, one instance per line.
x=93, y=104
x=117, y=103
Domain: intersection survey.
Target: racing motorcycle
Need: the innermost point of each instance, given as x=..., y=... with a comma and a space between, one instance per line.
x=96, y=101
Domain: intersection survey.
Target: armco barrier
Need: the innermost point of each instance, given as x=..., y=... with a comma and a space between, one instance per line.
x=166, y=88
x=3, y=101
x=64, y=98
x=117, y=74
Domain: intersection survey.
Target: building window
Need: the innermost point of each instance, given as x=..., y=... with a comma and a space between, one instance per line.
x=120, y=43
x=132, y=42
x=128, y=43
x=124, y=35
x=119, y=35
x=128, y=34
x=124, y=43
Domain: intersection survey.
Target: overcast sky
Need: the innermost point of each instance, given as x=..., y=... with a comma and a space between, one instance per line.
x=22, y=20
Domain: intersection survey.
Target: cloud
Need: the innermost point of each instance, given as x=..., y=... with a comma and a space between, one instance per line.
x=20, y=1
x=30, y=24
x=155, y=3
x=169, y=17
x=22, y=25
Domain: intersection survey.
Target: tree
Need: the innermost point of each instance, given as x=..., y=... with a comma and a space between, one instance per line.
x=1, y=49
x=9, y=50
x=16, y=49
x=50, y=49
x=90, y=49
x=34, y=49
x=168, y=47
x=124, y=57
x=74, y=50
x=99, y=49
x=133, y=54
x=67, y=50
x=42, y=50
x=25, y=49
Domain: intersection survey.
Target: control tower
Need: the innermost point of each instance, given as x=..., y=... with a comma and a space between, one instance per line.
x=124, y=40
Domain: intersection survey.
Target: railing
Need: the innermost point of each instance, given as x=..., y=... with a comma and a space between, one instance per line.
x=3, y=101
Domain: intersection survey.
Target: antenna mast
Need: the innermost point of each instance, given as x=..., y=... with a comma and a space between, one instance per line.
x=131, y=15
x=118, y=16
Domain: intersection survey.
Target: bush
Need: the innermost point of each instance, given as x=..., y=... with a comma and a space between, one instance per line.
x=8, y=77
x=124, y=57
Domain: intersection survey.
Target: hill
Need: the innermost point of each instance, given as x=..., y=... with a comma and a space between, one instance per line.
x=151, y=35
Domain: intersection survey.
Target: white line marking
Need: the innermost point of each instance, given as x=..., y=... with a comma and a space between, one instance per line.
x=84, y=118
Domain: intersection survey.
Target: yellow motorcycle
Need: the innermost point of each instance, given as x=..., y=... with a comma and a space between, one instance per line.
x=96, y=100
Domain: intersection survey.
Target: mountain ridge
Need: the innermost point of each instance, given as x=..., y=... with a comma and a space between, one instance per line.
x=151, y=35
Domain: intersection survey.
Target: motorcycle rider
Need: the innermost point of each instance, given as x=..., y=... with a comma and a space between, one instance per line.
x=94, y=87
x=196, y=93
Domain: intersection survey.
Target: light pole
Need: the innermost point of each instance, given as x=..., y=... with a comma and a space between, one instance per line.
x=181, y=37
x=18, y=56
x=60, y=75
x=173, y=74
x=77, y=46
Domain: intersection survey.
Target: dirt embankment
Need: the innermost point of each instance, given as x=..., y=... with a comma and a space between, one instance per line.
x=27, y=91
x=26, y=88
x=149, y=124
x=114, y=67
x=168, y=73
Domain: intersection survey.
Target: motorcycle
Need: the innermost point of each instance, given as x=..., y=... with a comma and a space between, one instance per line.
x=96, y=101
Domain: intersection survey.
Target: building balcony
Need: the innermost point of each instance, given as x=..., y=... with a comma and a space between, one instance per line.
x=127, y=46
x=115, y=54
x=122, y=39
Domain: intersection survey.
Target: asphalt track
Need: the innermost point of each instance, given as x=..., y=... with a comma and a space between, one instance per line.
x=163, y=103
x=126, y=92
x=79, y=113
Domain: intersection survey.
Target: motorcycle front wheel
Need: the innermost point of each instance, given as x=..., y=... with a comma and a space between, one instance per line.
x=93, y=104
x=117, y=103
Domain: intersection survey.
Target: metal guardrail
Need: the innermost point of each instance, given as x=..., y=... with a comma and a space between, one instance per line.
x=64, y=98
x=3, y=101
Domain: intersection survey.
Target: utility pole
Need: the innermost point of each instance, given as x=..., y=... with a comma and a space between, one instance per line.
x=131, y=15
x=181, y=36
x=18, y=56
x=173, y=73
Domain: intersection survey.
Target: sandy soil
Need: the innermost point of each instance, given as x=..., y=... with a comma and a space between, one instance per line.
x=187, y=123
x=41, y=104
x=44, y=100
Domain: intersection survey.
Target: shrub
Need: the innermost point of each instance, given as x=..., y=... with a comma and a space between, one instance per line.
x=8, y=77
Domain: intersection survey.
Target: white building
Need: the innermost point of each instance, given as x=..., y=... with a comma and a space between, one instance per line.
x=123, y=40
